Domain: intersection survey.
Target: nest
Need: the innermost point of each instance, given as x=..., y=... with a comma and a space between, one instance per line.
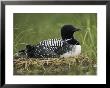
x=80, y=65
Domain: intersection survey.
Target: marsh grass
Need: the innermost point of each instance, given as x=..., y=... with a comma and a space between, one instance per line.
x=31, y=28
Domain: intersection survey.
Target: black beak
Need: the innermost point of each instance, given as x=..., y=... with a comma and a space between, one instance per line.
x=77, y=30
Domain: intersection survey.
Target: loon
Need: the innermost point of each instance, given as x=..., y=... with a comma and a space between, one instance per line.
x=66, y=47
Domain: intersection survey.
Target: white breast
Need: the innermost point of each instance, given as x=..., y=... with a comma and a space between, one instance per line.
x=76, y=50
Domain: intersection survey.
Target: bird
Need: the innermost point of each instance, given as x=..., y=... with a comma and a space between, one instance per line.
x=65, y=47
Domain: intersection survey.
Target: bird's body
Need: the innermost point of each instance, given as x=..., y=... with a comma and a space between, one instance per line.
x=62, y=48
x=55, y=48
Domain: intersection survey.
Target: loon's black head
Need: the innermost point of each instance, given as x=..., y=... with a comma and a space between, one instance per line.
x=67, y=31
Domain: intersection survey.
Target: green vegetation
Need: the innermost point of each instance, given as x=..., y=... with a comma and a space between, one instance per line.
x=31, y=28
